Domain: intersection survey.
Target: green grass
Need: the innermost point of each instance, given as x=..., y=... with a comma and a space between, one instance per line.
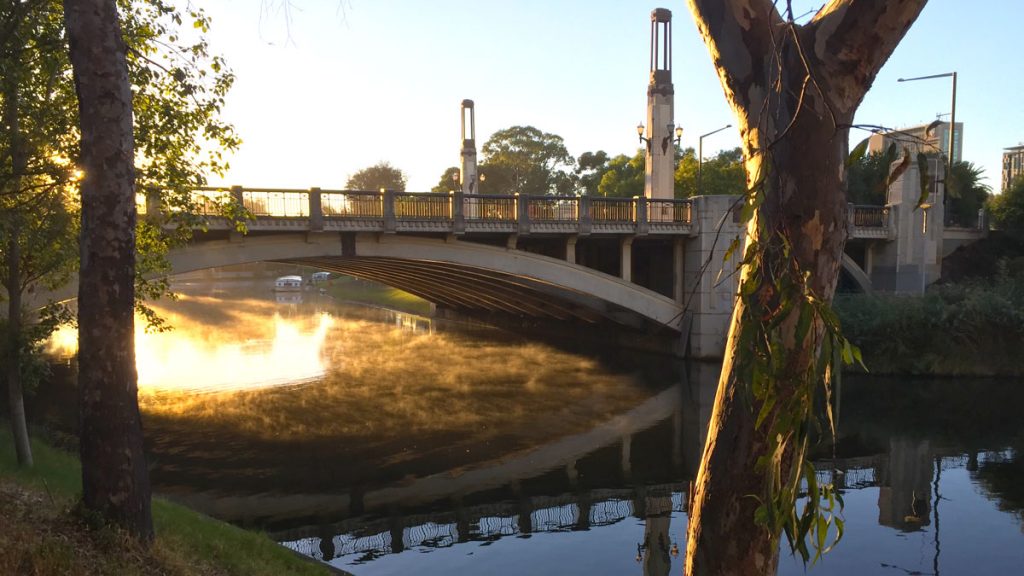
x=377, y=294
x=186, y=542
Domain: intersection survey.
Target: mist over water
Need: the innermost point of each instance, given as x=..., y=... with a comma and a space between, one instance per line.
x=387, y=443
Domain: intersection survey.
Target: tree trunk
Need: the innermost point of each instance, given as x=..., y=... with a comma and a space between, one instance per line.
x=794, y=90
x=15, y=393
x=115, y=479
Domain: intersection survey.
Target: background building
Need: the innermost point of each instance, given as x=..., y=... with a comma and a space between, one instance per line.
x=1013, y=164
x=927, y=138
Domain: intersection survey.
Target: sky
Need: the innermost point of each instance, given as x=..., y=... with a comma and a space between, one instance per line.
x=325, y=88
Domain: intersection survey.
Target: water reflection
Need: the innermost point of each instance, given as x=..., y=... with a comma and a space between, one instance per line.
x=500, y=455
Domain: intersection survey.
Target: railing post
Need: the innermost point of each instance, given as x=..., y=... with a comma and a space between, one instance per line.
x=585, y=221
x=458, y=212
x=237, y=197
x=851, y=217
x=153, y=212
x=388, y=199
x=640, y=214
x=316, y=212
x=522, y=213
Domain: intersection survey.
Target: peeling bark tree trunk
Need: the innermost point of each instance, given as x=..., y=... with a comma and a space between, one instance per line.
x=12, y=284
x=794, y=90
x=115, y=480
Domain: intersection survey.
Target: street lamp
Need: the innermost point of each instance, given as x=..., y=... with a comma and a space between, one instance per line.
x=700, y=154
x=952, y=116
x=640, y=133
x=678, y=130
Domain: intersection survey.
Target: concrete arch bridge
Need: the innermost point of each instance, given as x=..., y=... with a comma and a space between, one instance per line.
x=648, y=265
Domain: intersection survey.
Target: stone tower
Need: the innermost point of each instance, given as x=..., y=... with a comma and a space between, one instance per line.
x=469, y=173
x=661, y=150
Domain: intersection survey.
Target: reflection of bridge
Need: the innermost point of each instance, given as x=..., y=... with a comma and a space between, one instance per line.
x=646, y=264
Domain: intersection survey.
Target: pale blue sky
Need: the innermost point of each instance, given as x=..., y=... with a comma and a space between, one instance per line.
x=343, y=84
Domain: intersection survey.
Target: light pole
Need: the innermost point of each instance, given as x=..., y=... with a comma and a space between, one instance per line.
x=952, y=116
x=700, y=154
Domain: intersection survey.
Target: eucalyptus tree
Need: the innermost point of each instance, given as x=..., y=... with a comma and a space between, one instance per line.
x=794, y=89
x=525, y=160
x=380, y=175
x=157, y=60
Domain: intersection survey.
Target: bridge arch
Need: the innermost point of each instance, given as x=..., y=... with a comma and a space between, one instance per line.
x=857, y=274
x=451, y=272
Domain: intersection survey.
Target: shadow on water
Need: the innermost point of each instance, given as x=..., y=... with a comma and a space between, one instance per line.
x=373, y=433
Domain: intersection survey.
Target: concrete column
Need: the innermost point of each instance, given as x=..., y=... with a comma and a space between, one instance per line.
x=237, y=198
x=458, y=213
x=626, y=259
x=316, y=213
x=388, y=197
x=522, y=213
x=640, y=215
x=585, y=221
x=570, y=249
x=711, y=279
x=678, y=258
x=627, y=457
x=153, y=210
x=468, y=173
x=660, y=160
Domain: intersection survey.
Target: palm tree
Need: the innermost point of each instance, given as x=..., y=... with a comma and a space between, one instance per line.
x=966, y=194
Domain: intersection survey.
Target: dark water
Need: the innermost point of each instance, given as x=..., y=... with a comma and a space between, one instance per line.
x=389, y=444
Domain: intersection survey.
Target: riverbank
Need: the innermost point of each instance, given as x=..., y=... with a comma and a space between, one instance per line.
x=974, y=327
x=42, y=534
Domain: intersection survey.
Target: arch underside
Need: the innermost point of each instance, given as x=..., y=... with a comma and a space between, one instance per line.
x=452, y=273
x=856, y=273
x=474, y=289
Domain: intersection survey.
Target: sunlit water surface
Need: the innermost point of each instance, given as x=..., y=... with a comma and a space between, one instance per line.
x=385, y=443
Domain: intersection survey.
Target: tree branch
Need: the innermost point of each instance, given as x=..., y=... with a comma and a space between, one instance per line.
x=850, y=41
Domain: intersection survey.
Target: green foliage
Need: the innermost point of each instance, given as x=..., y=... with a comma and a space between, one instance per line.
x=178, y=92
x=623, y=176
x=722, y=174
x=972, y=328
x=789, y=347
x=590, y=168
x=449, y=180
x=381, y=175
x=965, y=194
x=867, y=175
x=525, y=160
x=1007, y=208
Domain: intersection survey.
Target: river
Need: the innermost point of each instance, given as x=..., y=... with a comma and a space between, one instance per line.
x=387, y=443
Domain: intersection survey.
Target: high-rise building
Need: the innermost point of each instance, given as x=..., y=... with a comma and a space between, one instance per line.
x=928, y=138
x=1013, y=164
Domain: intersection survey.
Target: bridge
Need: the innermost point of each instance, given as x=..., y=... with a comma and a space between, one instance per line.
x=652, y=265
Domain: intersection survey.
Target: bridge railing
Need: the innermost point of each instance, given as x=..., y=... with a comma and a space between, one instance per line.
x=491, y=208
x=553, y=208
x=276, y=202
x=612, y=209
x=675, y=211
x=351, y=204
x=870, y=216
x=315, y=209
x=422, y=206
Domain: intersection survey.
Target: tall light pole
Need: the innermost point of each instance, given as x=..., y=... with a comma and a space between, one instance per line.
x=700, y=154
x=952, y=116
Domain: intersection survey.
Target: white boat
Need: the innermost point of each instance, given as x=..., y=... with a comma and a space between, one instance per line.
x=288, y=284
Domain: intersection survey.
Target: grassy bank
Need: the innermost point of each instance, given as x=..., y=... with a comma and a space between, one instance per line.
x=41, y=534
x=347, y=288
x=972, y=328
